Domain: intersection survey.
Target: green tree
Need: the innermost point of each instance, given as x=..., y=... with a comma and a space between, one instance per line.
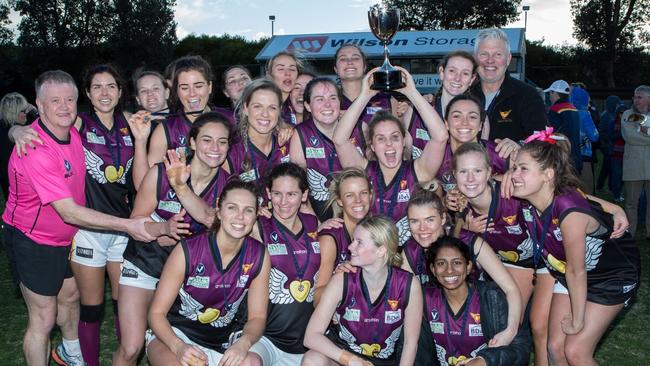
x=609, y=27
x=6, y=35
x=63, y=23
x=144, y=33
x=455, y=14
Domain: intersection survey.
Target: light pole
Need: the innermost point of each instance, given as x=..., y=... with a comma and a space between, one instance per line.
x=272, y=19
x=525, y=8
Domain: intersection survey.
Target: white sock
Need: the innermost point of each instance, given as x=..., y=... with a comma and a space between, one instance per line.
x=71, y=346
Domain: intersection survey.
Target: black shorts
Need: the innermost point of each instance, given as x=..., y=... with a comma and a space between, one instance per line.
x=40, y=268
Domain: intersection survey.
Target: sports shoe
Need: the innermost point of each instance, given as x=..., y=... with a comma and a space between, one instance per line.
x=63, y=358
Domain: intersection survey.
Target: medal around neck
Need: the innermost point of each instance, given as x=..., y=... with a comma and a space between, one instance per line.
x=384, y=24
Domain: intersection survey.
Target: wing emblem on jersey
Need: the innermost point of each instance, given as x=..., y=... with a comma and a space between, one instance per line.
x=93, y=166
x=525, y=248
x=226, y=319
x=593, y=251
x=317, y=187
x=348, y=338
x=390, y=344
x=403, y=230
x=191, y=309
x=416, y=152
x=278, y=294
x=441, y=353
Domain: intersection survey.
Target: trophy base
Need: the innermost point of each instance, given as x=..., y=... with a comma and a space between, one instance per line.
x=387, y=80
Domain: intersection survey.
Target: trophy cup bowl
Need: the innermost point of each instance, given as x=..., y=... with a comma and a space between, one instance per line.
x=384, y=24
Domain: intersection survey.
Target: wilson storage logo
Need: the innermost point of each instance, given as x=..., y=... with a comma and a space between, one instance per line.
x=307, y=44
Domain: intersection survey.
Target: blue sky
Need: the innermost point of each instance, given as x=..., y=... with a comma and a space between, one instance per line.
x=548, y=19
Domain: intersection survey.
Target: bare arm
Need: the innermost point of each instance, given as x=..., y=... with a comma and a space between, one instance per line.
x=327, y=260
x=494, y=267
x=140, y=127
x=412, y=321
x=297, y=154
x=574, y=229
x=157, y=146
x=170, y=283
x=345, y=149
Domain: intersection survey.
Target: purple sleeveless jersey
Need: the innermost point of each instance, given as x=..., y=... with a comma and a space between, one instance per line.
x=612, y=265
x=342, y=239
x=108, y=155
x=150, y=257
x=177, y=132
x=210, y=296
x=371, y=329
x=321, y=159
x=295, y=260
x=419, y=131
x=457, y=336
x=228, y=113
x=445, y=172
x=510, y=239
x=415, y=256
x=381, y=101
x=391, y=198
x=287, y=113
x=251, y=164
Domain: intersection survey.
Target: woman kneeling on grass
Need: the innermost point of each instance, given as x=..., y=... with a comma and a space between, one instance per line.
x=202, y=285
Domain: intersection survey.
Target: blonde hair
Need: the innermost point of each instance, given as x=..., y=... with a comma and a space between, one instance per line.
x=384, y=234
x=337, y=181
x=10, y=107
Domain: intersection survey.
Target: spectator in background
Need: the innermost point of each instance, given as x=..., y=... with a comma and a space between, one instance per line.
x=588, y=134
x=636, y=165
x=618, y=147
x=606, y=132
x=14, y=110
x=513, y=107
x=564, y=118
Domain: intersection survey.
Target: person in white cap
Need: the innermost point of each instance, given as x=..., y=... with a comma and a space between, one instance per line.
x=564, y=118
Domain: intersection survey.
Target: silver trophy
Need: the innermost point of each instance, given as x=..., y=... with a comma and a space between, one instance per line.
x=384, y=23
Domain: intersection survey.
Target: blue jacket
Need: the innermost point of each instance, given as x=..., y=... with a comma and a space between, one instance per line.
x=564, y=118
x=606, y=125
x=588, y=131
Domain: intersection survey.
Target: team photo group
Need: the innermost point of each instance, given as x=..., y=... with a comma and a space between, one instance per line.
x=314, y=220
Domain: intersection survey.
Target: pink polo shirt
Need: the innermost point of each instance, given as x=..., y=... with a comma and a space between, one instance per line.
x=51, y=172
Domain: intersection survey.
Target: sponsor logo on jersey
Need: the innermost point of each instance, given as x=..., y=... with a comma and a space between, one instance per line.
x=129, y=273
x=352, y=315
x=527, y=215
x=199, y=282
x=392, y=317
x=241, y=282
x=68, y=169
x=422, y=134
x=475, y=330
x=314, y=153
x=514, y=230
x=277, y=249
x=404, y=196
x=437, y=327
x=558, y=234
x=316, y=247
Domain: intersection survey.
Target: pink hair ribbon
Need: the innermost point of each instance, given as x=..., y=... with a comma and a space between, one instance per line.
x=545, y=135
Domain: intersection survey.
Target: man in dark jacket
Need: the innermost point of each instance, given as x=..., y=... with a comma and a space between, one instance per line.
x=564, y=118
x=514, y=109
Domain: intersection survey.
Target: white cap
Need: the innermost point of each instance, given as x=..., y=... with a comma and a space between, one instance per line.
x=559, y=86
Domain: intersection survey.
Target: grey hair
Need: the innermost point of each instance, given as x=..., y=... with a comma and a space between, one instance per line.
x=10, y=107
x=54, y=77
x=645, y=89
x=491, y=33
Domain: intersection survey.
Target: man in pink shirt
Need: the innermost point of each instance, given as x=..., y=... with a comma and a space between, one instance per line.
x=45, y=206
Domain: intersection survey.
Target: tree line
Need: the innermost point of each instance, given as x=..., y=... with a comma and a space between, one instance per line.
x=72, y=34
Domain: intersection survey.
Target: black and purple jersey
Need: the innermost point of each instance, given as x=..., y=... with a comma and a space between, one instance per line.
x=419, y=131
x=612, y=265
x=371, y=328
x=446, y=172
x=251, y=164
x=210, y=296
x=108, y=156
x=228, y=113
x=177, y=133
x=417, y=260
x=342, y=239
x=287, y=113
x=391, y=198
x=295, y=260
x=150, y=257
x=457, y=336
x=509, y=238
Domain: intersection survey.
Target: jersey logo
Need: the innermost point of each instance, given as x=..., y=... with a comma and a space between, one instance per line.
x=182, y=140
x=393, y=304
x=246, y=267
x=510, y=220
x=200, y=269
x=299, y=289
x=434, y=315
x=274, y=236
x=505, y=114
x=124, y=131
x=476, y=317
x=313, y=140
x=403, y=184
x=392, y=317
x=171, y=195
x=352, y=315
x=475, y=330
x=277, y=249
x=68, y=169
x=370, y=350
x=555, y=221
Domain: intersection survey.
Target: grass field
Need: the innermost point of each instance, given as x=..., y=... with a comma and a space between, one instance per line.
x=627, y=342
